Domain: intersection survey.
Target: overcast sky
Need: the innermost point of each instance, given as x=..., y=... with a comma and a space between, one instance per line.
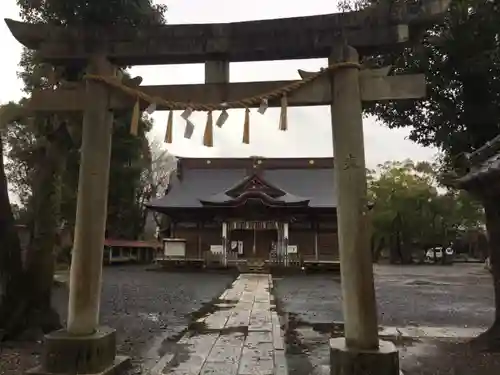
x=309, y=131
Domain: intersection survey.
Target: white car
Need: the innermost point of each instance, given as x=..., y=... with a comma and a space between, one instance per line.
x=487, y=264
x=436, y=253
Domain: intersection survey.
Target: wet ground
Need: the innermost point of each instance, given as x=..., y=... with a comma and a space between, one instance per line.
x=242, y=335
x=146, y=309
x=308, y=354
x=144, y=306
x=150, y=310
x=459, y=297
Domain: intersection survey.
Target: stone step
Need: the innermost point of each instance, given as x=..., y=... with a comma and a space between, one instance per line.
x=253, y=266
x=257, y=270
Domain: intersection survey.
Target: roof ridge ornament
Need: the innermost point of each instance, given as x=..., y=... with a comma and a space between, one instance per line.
x=251, y=182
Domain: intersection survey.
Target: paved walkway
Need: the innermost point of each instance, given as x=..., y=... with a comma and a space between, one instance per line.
x=419, y=332
x=242, y=337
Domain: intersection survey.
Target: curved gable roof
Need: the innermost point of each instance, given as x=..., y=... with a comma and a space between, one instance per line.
x=254, y=187
x=313, y=183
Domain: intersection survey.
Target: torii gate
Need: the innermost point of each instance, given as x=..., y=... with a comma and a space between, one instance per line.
x=84, y=347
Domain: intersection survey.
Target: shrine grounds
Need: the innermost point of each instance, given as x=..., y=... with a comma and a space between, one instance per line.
x=448, y=304
x=151, y=311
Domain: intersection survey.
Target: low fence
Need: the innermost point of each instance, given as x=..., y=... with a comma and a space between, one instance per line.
x=232, y=259
x=284, y=260
x=213, y=258
x=130, y=254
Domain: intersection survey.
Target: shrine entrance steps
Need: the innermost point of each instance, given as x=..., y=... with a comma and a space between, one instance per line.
x=242, y=336
x=253, y=265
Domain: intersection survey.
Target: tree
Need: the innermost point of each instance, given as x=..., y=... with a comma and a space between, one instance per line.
x=398, y=193
x=156, y=177
x=411, y=213
x=52, y=141
x=461, y=59
x=162, y=165
x=10, y=261
x=130, y=159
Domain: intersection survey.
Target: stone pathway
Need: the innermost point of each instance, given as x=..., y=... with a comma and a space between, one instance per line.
x=242, y=337
x=419, y=332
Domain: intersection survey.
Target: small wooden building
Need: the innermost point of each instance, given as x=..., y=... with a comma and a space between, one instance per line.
x=280, y=210
x=125, y=251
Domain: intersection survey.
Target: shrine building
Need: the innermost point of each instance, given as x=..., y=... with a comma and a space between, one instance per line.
x=280, y=210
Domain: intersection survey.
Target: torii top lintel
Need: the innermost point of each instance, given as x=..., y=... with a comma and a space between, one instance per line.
x=374, y=29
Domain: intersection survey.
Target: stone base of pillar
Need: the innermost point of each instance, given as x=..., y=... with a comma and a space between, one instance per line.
x=64, y=353
x=347, y=361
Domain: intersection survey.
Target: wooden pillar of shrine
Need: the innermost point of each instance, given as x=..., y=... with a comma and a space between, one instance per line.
x=360, y=349
x=316, y=249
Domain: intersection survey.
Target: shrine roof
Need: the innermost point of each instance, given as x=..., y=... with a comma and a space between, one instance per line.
x=224, y=198
x=483, y=163
x=300, y=179
x=254, y=187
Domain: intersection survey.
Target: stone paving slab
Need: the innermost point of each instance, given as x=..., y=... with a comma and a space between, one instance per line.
x=243, y=337
x=431, y=332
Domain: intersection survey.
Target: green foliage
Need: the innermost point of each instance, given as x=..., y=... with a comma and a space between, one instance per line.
x=92, y=13
x=461, y=60
x=410, y=205
x=25, y=140
x=43, y=168
x=129, y=159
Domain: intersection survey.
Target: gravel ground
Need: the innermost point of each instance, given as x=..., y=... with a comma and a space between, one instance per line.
x=308, y=354
x=459, y=295
x=146, y=309
x=434, y=296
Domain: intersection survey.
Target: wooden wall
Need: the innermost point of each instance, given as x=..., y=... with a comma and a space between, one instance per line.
x=198, y=240
x=328, y=245
x=304, y=238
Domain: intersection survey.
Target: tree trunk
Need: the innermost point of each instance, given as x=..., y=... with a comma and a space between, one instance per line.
x=393, y=252
x=399, y=245
x=490, y=340
x=395, y=242
x=378, y=250
x=26, y=308
x=11, y=270
x=40, y=261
